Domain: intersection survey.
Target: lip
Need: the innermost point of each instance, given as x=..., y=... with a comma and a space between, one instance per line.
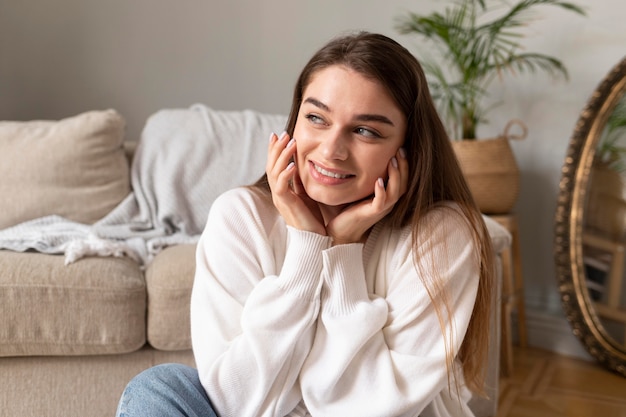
x=326, y=180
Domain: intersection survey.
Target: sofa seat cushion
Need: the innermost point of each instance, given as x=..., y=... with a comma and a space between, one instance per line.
x=169, y=278
x=93, y=306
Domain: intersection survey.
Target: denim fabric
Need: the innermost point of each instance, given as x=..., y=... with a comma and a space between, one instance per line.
x=168, y=390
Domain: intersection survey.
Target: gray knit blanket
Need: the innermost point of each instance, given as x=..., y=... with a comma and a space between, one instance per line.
x=184, y=159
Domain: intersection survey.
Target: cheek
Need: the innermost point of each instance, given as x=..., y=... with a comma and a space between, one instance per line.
x=298, y=134
x=377, y=165
x=302, y=146
x=303, y=141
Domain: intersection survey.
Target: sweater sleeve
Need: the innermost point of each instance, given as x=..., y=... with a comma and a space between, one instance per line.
x=252, y=312
x=385, y=354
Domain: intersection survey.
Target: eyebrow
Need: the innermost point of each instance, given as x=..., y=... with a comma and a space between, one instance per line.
x=361, y=117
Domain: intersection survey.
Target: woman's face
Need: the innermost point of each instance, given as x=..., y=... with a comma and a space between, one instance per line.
x=348, y=129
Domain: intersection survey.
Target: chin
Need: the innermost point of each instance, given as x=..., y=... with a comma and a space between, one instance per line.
x=334, y=195
x=323, y=197
x=331, y=202
x=334, y=199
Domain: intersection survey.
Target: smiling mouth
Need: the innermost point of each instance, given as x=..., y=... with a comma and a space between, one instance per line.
x=331, y=174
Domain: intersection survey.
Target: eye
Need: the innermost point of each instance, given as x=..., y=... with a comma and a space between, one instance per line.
x=369, y=133
x=315, y=119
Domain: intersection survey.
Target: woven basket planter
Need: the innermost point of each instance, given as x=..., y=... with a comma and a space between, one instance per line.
x=490, y=169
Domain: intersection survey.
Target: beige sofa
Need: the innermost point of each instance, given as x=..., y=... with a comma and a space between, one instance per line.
x=72, y=336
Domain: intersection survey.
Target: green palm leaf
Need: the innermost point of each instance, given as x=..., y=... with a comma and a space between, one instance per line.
x=474, y=51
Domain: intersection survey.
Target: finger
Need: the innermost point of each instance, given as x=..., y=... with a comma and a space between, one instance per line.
x=380, y=195
x=398, y=176
x=298, y=187
x=276, y=146
x=283, y=179
x=394, y=184
x=279, y=159
x=286, y=149
x=271, y=153
x=403, y=166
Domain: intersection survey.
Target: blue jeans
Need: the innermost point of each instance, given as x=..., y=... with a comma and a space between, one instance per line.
x=169, y=390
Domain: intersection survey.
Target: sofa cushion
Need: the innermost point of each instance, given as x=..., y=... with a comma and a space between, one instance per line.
x=75, y=168
x=93, y=306
x=169, y=278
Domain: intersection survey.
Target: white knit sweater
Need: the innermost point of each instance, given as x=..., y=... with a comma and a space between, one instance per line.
x=285, y=324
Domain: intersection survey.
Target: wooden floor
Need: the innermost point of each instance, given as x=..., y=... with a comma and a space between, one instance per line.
x=544, y=384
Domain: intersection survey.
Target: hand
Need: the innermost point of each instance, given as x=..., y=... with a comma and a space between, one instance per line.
x=352, y=224
x=288, y=194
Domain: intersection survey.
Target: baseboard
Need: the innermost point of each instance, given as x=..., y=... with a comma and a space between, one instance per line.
x=550, y=331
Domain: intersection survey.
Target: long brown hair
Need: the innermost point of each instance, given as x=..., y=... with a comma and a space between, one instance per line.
x=435, y=176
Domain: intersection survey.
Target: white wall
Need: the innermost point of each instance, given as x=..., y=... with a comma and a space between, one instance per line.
x=61, y=57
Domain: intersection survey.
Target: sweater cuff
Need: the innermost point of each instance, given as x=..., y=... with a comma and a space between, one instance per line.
x=344, y=279
x=302, y=267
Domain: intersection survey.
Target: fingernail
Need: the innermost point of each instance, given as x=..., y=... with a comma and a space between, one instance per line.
x=381, y=182
x=291, y=165
x=402, y=153
x=272, y=136
x=394, y=162
x=291, y=142
x=282, y=135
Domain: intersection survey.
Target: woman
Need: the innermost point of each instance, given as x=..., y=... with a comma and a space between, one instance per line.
x=354, y=278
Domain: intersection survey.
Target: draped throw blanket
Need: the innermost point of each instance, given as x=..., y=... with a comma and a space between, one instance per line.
x=184, y=159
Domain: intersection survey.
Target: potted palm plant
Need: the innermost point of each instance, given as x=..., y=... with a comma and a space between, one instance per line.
x=478, y=41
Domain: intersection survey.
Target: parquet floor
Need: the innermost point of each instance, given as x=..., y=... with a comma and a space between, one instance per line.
x=544, y=384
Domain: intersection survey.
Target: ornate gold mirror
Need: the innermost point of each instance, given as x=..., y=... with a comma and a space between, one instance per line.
x=590, y=230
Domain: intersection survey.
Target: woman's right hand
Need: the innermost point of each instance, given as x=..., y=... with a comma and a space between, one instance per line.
x=288, y=194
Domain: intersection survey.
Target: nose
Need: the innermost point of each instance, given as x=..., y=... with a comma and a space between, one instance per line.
x=335, y=145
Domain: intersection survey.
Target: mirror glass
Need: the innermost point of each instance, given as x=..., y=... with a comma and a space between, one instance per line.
x=590, y=233
x=604, y=226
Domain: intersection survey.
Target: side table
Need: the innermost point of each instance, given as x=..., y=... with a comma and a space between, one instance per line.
x=512, y=293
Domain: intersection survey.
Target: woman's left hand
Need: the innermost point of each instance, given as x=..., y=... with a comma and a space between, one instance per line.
x=352, y=224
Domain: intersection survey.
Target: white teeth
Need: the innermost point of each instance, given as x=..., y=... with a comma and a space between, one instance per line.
x=328, y=173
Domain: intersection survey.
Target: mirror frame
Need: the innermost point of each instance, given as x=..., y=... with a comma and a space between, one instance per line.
x=575, y=299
